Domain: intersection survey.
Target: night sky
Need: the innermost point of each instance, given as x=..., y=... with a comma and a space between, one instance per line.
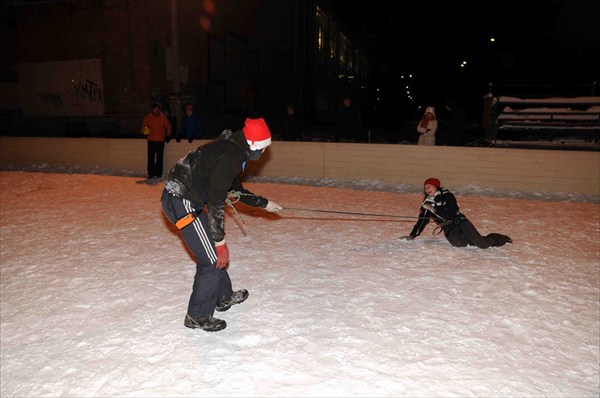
x=543, y=42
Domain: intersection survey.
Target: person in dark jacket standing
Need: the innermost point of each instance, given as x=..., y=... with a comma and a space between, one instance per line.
x=194, y=197
x=441, y=206
x=456, y=123
x=192, y=127
x=291, y=127
x=348, y=121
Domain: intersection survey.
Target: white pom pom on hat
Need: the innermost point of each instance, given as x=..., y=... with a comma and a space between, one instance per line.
x=257, y=133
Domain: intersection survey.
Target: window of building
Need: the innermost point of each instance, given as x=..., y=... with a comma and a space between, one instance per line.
x=322, y=22
x=343, y=49
x=333, y=42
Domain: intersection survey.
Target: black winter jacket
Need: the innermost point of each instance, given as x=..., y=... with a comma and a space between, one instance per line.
x=446, y=213
x=206, y=175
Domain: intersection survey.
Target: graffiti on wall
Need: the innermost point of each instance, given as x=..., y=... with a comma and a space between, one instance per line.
x=66, y=88
x=86, y=91
x=50, y=99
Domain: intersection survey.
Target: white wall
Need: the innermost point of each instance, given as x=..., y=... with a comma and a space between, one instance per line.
x=526, y=170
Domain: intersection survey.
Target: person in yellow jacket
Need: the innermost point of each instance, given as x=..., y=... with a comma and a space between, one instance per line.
x=157, y=129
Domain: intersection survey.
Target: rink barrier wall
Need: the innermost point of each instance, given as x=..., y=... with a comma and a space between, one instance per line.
x=526, y=170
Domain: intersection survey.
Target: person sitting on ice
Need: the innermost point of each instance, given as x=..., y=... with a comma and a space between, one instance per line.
x=441, y=206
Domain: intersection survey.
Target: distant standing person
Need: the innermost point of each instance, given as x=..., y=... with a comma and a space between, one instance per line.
x=291, y=128
x=191, y=127
x=427, y=127
x=157, y=129
x=348, y=121
x=456, y=123
x=441, y=206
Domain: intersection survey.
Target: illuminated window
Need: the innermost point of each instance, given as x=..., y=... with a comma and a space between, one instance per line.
x=343, y=49
x=333, y=41
x=335, y=49
x=321, y=25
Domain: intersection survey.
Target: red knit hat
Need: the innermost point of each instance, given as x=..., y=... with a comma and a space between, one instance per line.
x=433, y=181
x=257, y=133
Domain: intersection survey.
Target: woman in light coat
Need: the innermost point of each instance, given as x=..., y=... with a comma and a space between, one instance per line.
x=427, y=127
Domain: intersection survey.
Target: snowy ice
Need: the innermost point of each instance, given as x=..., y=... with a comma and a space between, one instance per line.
x=95, y=284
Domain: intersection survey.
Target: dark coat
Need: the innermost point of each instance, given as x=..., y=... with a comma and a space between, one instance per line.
x=455, y=123
x=348, y=122
x=192, y=126
x=446, y=208
x=291, y=128
x=458, y=230
x=206, y=175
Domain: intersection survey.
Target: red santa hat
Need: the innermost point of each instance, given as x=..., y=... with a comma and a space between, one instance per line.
x=257, y=133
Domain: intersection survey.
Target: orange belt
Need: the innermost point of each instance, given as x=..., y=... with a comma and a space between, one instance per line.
x=186, y=220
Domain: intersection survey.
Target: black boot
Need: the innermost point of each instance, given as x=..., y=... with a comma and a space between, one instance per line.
x=500, y=240
x=236, y=298
x=207, y=323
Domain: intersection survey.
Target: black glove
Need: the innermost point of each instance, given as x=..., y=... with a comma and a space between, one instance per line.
x=167, y=139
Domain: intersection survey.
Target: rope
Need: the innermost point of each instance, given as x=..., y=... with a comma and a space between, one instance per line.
x=351, y=212
x=232, y=198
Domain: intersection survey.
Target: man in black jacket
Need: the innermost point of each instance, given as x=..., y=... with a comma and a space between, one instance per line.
x=440, y=205
x=205, y=178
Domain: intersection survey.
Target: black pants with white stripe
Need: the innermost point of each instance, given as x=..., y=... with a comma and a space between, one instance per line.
x=211, y=285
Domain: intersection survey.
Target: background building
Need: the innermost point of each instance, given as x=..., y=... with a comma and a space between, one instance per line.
x=89, y=67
